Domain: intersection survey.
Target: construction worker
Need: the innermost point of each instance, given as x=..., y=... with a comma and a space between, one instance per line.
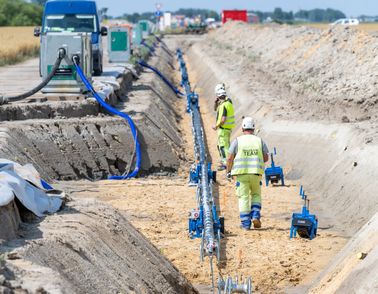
x=225, y=122
x=217, y=88
x=247, y=156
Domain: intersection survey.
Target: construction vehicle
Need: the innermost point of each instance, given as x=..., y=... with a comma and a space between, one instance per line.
x=78, y=16
x=196, y=28
x=240, y=15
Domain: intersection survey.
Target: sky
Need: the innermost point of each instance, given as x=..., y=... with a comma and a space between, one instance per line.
x=349, y=7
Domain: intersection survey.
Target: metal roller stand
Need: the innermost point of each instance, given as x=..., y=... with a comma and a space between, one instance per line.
x=233, y=286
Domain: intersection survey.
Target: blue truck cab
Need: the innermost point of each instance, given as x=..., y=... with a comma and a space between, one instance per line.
x=75, y=16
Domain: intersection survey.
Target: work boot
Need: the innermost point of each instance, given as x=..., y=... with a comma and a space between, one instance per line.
x=256, y=223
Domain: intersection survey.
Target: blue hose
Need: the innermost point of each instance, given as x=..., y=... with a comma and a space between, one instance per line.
x=46, y=185
x=152, y=49
x=121, y=114
x=174, y=89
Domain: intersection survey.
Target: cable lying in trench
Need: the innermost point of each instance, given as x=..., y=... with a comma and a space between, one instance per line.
x=61, y=55
x=155, y=70
x=113, y=110
x=207, y=225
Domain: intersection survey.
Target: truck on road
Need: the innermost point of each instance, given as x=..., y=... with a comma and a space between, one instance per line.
x=76, y=16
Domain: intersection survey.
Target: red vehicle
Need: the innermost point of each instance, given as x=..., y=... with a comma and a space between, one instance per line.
x=234, y=15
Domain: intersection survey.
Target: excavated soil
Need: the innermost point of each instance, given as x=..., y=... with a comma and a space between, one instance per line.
x=91, y=248
x=320, y=74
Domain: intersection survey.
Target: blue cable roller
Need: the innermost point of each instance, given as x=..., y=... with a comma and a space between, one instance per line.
x=304, y=223
x=274, y=173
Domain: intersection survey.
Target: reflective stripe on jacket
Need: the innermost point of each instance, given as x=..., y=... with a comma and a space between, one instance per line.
x=249, y=158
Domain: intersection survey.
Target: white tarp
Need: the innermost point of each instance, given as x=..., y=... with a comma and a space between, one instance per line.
x=24, y=182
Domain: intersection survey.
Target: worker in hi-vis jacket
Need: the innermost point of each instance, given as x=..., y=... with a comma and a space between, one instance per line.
x=247, y=156
x=225, y=122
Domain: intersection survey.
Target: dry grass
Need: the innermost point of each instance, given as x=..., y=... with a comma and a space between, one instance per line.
x=367, y=27
x=17, y=44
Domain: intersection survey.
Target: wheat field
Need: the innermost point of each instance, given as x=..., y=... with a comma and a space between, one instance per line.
x=17, y=44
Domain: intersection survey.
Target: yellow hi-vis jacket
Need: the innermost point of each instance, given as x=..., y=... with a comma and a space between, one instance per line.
x=230, y=118
x=249, y=158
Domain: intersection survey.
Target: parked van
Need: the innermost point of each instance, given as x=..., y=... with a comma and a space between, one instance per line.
x=76, y=16
x=347, y=21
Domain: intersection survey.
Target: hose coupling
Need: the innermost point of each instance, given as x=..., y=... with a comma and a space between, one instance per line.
x=62, y=53
x=76, y=59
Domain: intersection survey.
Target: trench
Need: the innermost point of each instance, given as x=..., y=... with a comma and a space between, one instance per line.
x=73, y=140
x=74, y=149
x=88, y=246
x=335, y=162
x=276, y=264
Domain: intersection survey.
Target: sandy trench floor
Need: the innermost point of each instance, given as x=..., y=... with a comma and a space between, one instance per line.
x=159, y=208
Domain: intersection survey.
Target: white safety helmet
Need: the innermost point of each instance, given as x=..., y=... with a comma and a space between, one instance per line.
x=218, y=87
x=221, y=92
x=248, y=123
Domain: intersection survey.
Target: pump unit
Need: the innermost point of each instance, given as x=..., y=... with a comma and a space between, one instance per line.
x=119, y=44
x=137, y=35
x=66, y=79
x=144, y=27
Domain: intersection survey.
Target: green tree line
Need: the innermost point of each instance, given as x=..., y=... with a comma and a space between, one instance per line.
x=320, y=15
x=313, y=15
x=19, y=13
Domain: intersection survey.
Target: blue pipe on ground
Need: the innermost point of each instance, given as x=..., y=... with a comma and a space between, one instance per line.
x=155, y=70
x=119, y=113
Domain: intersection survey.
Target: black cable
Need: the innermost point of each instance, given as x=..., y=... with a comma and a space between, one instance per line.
x=61, y=55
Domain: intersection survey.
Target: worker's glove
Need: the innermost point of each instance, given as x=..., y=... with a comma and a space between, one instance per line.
x=228, y=177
